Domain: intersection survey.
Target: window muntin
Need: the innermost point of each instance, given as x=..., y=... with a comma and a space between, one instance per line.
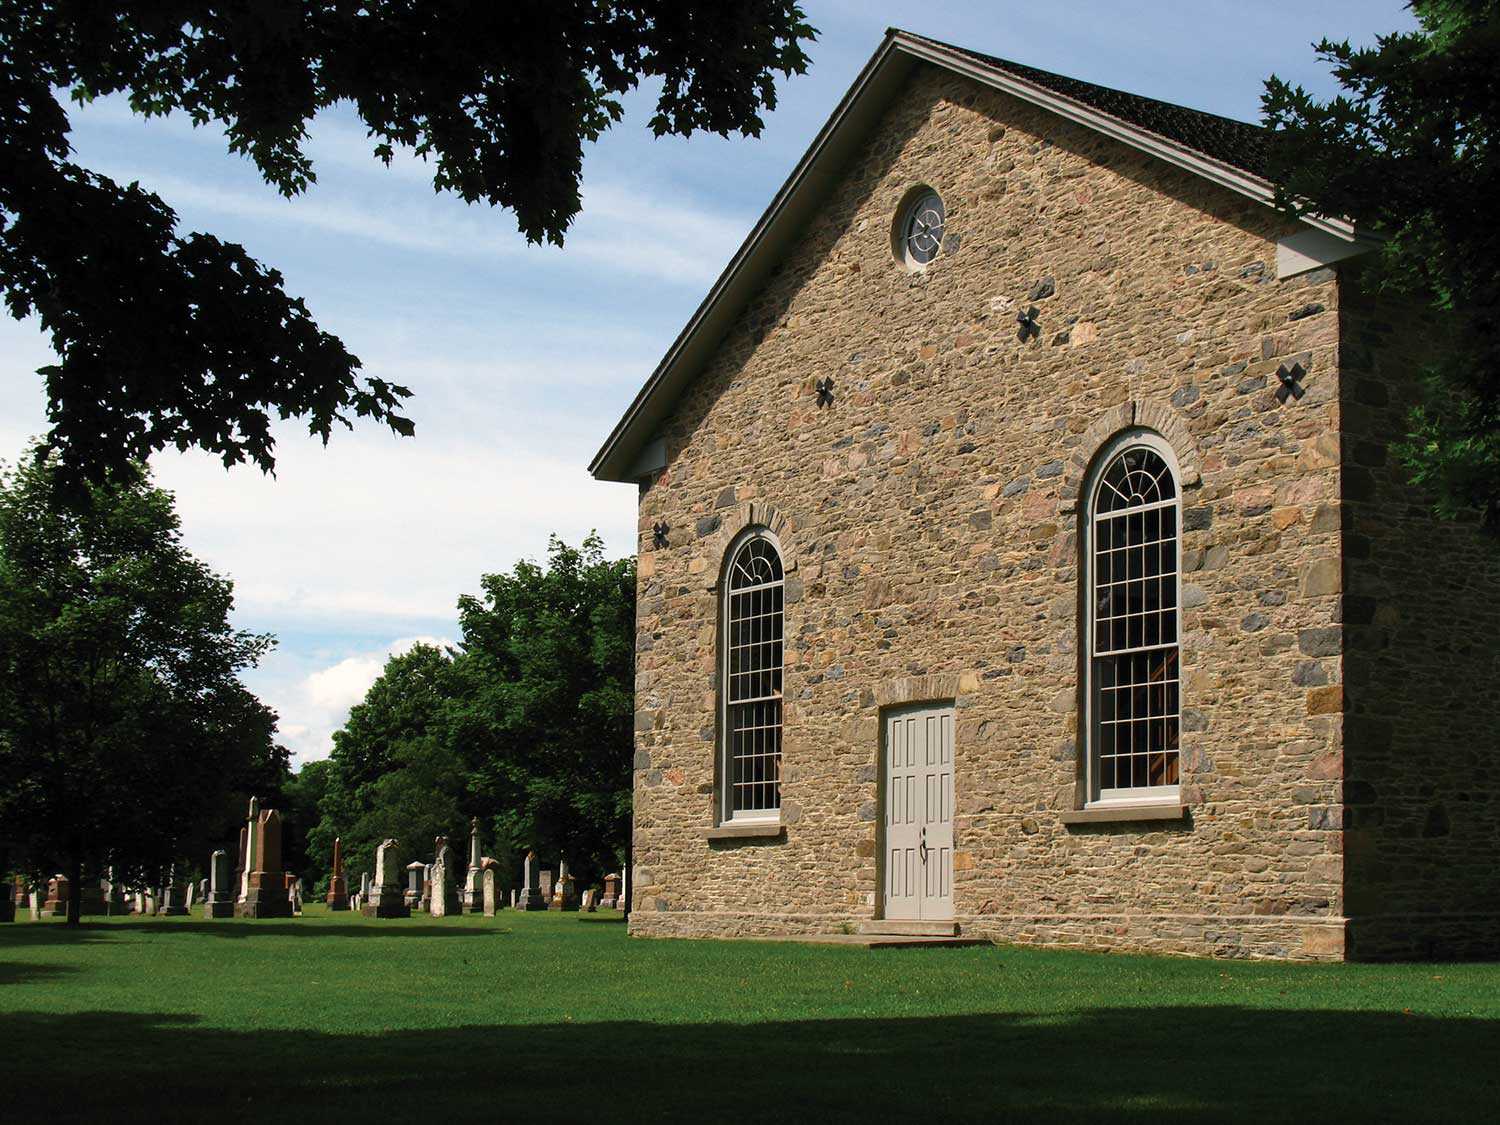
x=921, y=228
x=753, y=662
x=1134, y=657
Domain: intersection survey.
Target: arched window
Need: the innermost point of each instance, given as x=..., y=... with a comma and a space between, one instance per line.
x=750, y=727
x=1132, y=574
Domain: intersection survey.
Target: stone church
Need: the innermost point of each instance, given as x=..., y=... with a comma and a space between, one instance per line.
x=1023, y=555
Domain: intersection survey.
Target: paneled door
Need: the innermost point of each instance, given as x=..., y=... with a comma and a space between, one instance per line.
x=919, y=813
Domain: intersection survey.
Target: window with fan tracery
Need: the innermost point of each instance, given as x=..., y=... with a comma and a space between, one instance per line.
x=1133, y=568
x=752, y=680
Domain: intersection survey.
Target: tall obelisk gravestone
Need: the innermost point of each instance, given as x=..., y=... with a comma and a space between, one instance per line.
x=265, y=883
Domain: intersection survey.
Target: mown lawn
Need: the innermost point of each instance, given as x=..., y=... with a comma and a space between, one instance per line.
x=549, y=1017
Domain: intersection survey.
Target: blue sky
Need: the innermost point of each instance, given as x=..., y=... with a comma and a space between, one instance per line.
x=522, y=358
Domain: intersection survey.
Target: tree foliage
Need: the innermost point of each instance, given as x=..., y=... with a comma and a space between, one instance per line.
x=1408, y=151
x=526, y=724
x=167, y=338
x=124, y=728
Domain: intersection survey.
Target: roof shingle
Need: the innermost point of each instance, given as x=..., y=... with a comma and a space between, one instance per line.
x=1232, y=142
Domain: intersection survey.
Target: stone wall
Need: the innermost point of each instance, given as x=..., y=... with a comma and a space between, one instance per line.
x=931, y=533
x=1421, y=618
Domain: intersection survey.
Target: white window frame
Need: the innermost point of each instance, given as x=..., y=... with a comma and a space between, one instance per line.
x=1095, y=797
x=725, y=749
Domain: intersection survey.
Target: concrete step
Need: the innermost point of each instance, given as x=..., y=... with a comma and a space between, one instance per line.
x=904, y=927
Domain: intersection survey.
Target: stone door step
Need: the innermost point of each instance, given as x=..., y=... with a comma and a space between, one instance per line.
x=890, y=927
x=877, y=941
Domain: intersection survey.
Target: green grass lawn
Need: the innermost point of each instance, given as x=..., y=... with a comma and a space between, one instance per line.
x=334, y=1017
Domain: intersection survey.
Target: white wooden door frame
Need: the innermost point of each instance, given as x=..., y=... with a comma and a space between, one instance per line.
x=916, y=822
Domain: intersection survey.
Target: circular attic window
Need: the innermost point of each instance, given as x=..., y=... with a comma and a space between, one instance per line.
x=919, y=228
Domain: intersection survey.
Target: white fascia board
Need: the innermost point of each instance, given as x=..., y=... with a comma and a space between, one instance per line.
x=1308, y=250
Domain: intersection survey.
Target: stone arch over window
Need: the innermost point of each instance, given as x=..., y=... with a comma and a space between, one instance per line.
x=1145, y=414
x=1130, y=515
x=752, y=633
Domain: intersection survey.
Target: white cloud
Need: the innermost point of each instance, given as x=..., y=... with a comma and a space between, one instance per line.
x=320, y=703
x=622, y=228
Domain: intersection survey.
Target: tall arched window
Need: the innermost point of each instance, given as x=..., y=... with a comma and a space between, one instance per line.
x=1132, y=575
x=752, y=671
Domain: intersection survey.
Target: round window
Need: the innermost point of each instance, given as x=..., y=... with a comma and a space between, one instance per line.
x=922, y=228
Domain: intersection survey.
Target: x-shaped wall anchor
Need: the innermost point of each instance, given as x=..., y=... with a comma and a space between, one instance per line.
x=1290, y=378
x=659, y=534
x=1028, y=325
x=825, y=391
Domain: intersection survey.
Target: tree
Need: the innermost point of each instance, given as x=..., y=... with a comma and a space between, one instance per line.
x=179, y=339
x=393, y=770
x=123, y=723
x=300, y=796
x=550, y=667
x=526, y=725
x=1409, y=152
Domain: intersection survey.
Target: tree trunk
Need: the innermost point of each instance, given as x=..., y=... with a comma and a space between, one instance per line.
x=75, y=890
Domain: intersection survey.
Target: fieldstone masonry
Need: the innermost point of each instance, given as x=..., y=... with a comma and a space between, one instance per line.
x=1339, y=665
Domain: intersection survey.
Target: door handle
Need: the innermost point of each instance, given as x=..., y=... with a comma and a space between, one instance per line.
x=922, y=848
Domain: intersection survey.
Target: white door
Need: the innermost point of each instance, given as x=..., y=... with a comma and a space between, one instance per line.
x=919, y=813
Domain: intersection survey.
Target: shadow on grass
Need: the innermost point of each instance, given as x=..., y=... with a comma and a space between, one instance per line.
x=1105, y=1065
x=240, y=929
x=14, y=972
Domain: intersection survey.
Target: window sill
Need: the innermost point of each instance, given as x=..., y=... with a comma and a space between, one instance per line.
x=1114, y=814
x=748, y=831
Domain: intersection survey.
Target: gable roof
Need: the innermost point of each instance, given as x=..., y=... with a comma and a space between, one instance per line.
x=1235, y=143
x=1227, y=152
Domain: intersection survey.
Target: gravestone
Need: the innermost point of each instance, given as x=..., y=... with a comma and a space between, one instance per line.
x=426, y=902
x=513, y=898
x=248, y=859
x=532, y=896
x=55, y=905
x=489, y=897
x=546, y=888
x=114, y=894
x=472, y=899
x=385, y=898
x=415, y=872
x=265, y=881
x=36, y=904
x=190, y=896
x=139, y=903
x=444, y=894
x=219, y=902
x=338, y=886
x=611, y=897
x=564, y=894
x=172, y=896
x=294, y=896
x=237, y=888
